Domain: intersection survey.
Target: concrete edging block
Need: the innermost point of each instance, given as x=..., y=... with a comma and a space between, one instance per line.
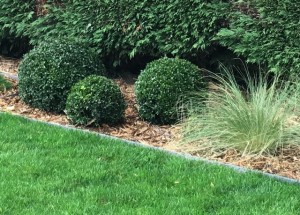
x=10, y=75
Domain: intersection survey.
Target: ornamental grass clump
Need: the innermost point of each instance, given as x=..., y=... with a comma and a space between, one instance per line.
x=255, y=119
x=4, y=84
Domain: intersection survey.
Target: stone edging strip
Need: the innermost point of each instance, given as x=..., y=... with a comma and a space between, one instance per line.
x=10, y=75
x=170, y=152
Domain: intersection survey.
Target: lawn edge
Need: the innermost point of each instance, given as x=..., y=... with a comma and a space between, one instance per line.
x=187, y=156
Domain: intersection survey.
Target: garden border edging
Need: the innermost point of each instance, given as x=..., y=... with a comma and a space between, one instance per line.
x=170, y=152
x=10, y=75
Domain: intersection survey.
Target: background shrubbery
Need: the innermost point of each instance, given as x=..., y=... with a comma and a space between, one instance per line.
x=264, y=32
x=15, y=18
x=124, y=29
x=120, y=30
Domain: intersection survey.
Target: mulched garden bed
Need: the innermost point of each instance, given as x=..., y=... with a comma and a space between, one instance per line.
x=285, y=163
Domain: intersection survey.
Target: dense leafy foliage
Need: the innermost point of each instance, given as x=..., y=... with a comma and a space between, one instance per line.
x=15, y=18
x=162, y=84
x=4, y=84
x=265, y=32
x=48, y=72
x=95, y=100
x=120, y=30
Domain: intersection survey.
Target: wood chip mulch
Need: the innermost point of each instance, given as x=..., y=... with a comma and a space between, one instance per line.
x=132, y=129
x=285, y=163
x=9, y=65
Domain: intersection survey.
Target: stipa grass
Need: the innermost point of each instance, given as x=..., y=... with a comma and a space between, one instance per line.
x=253, y=120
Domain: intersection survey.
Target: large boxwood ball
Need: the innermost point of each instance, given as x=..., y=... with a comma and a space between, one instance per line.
x=95, y=100
x=160, y=86
x=48, y=72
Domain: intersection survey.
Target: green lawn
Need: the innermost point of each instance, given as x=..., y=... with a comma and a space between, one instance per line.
x=49, y=170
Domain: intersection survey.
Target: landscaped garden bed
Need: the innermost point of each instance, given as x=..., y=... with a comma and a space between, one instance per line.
x=132, y=129
x=149, y=107
x=285, y=163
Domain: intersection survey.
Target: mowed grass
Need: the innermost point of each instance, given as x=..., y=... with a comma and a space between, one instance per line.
x=49, y=170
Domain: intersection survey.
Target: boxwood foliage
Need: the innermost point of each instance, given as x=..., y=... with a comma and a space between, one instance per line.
x=162, y=84
x=48, y=72
x=95, y=100
x=265, y=32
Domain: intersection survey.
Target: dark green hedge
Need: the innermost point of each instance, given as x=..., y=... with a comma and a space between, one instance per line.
x=120, y=30
x=265, y=32
x=262, y=31
x=15, y=18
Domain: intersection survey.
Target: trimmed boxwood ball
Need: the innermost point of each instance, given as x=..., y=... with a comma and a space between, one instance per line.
x=48, y=72
x=160, y=86
x=95, y=100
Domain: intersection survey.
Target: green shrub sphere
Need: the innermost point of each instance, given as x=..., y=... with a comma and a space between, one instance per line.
x=48, y=72
x=95, y=100
x=162, y=84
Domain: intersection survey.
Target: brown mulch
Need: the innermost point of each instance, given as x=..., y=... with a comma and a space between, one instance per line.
x=285, y=163
x=132, y=129
x=9, y=65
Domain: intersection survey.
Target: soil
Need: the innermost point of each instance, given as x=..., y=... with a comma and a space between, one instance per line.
x=9, y=65
x=285, y=163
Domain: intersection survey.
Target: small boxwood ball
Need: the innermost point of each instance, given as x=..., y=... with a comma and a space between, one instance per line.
x=48, y=72
x=162, y=84
x=95, y=100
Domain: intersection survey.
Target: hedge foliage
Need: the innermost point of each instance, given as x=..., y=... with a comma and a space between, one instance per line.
x=120, y=30
x=265, y=32
x=95, y=100
x=163, y=85
x=262, y=31
x=48, y=72
x=15, y=19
